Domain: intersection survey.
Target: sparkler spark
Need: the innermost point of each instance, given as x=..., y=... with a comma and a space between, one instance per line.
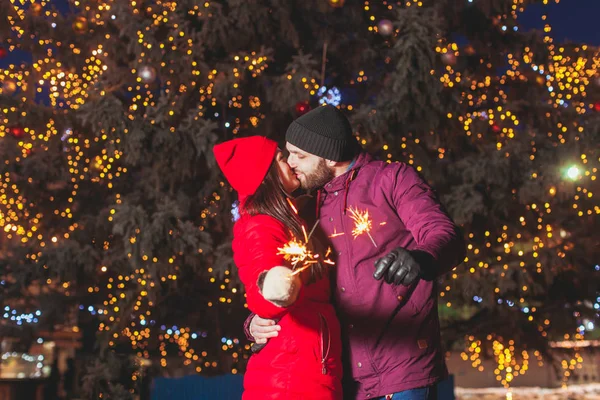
x=306, y=266
x=297, y=253
x=335, y=234
x=362, y=223
x=292, y=205
x=304, y=232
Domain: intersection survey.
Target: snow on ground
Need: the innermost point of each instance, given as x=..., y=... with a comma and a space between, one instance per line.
x=573, y=392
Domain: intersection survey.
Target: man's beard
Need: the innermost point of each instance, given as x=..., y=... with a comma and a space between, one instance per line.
x=319, y=177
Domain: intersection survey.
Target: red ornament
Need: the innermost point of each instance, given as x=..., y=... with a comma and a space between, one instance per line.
x=2, y=52
x=449, y=58
x=9, y=86
x=302, y=107
x=36, y=9
x=16, y=132
x=496, y=128
x=597, y=106
x=385, y=27
x=80, y=25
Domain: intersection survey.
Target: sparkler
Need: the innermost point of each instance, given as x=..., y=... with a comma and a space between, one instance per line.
x=362, y=223
x=312, y=230
x=297, y=252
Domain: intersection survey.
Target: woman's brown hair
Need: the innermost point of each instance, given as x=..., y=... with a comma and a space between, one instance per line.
x=271, y=199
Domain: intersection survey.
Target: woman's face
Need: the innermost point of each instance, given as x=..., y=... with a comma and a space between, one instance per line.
x=286, y=175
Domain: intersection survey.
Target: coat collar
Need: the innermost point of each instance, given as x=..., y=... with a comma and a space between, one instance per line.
x=340, y=182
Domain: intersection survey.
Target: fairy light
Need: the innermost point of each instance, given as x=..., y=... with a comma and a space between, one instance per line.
x=567, y=78
x=509, y=364
x=573, y=173
x=89, y=160
x=331, y=96
x=18, y=318
x=38, y=360
x=373, y=11
x=96, y=156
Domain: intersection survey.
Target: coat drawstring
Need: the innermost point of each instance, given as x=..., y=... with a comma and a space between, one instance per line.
x=350, y=179
x=318, y=210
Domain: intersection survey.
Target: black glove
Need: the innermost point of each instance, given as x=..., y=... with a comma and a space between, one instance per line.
x=256, y=347
x=404, y=267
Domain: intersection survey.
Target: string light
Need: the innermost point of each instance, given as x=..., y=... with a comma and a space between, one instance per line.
x=331, y=96
x=20, y=318
x=38, y=360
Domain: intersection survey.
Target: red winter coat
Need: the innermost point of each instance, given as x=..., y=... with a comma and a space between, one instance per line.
x=290, y=367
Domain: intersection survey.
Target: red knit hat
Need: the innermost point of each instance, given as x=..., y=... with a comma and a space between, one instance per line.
x=245, y=161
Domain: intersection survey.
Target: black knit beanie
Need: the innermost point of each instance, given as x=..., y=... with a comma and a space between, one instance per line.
x=324, y=132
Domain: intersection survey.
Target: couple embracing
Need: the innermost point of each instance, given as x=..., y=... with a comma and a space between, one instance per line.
x=372, y=316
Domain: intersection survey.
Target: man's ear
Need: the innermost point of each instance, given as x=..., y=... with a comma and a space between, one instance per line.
x=331, y=163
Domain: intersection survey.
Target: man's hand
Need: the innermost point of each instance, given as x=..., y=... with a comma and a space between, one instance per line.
x=404, y=267
x=263, y=329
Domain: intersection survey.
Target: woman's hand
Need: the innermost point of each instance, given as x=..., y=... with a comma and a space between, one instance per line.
x=280, y=286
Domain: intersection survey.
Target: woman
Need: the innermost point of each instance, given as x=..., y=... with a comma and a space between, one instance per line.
x=304, y=360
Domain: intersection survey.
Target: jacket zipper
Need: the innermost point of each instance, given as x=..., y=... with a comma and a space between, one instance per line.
x=324, y=353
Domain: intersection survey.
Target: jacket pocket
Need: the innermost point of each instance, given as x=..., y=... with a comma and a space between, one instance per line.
x=416, y=297
x=283, y=355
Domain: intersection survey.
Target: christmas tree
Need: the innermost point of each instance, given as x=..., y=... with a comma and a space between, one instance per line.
x=112, y=207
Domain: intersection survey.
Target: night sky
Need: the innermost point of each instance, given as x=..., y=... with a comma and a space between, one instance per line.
x=572, y=20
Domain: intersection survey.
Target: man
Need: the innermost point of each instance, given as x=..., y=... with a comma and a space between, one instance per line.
x=385, y=294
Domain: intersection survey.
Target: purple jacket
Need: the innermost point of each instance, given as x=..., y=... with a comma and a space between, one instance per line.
x=387, y=356
x=391, y=333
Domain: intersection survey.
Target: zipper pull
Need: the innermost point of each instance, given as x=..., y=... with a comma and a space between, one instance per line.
x=324, y=370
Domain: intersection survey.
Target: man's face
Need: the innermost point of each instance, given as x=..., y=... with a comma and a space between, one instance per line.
x=312, y=171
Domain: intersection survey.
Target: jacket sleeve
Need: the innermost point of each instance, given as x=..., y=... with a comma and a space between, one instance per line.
x=261, y=242
x=423, y=215
x=247, y=323
x=255, y=347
